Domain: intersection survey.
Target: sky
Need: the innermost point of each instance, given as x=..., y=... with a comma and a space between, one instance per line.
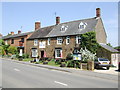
x=23, y=15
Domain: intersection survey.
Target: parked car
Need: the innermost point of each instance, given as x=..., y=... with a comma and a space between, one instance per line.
x=102, y=62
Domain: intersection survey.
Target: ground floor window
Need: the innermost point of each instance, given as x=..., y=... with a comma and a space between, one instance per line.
x=34, y=53
x=58, y=53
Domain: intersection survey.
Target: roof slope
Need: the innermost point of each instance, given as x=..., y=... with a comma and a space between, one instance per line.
x=16, y=35
x=41, y=33
x=55, y=30
x=73, y=27
x=111, y=49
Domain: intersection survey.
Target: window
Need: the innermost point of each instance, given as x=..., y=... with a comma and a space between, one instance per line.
x=6, y=42
x=63, y=28
x=59, y=40
x=34, y=53
x=42, y=44
x=78, y=39
x=82, y=25
x=48, y=41
x=35, y=42
x=67, y=40
x=58, y=53
x=12, y=41
x=22, y=39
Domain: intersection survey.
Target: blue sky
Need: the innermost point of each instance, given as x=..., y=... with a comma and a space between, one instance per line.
x=17, y=14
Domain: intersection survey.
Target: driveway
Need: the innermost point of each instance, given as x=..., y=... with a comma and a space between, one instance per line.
x=112, y=70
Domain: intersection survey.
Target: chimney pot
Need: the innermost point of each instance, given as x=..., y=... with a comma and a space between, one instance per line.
x=97, y=12
x=57, y=20
x=37, y=25
x=12, y=33
x=19, y=31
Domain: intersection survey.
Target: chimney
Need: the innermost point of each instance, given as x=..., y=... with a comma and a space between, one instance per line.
x=57, y=20
x=97, y=12
x=37, y=25
x=19, y=31
x=12, y=33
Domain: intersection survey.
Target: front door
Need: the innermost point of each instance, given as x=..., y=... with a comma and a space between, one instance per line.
x=42, y=54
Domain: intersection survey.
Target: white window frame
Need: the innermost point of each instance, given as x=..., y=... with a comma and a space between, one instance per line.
x=77, y=39
x=35, y=42
x=35, y=51
x=57, y=53
x=6, y=42
x=49, y=41
x=67, y=38
x=59, y=40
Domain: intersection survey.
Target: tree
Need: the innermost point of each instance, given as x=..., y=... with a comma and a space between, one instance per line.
x=87, y=55
x=109, y=44
x=12, y=49
x=88, y=41
x=118, y=47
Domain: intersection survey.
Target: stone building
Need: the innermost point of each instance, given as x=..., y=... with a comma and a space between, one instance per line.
x=58, y=40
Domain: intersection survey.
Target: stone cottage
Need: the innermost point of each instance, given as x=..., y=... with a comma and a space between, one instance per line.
x=58, y=40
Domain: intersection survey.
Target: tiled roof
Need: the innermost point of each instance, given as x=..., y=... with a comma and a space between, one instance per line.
x=73, y=27
x=41, y=33
x=55, y=30
x=16, y=35
x=111, y=49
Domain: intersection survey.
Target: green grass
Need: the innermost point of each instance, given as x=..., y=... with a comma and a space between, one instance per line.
x=27, y=59
x=52, y=63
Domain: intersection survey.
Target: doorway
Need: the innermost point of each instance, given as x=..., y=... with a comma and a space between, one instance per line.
x=42, y=54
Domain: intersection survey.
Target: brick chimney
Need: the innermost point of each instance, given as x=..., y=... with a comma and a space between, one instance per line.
x=19, y=31
x=97, y=12
x=12, y=33
x=57, y=20
x=37, y=25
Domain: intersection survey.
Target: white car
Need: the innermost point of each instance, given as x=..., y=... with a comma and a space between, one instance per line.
x=102, y=62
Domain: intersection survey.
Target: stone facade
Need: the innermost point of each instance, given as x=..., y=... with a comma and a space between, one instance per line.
x=50, y=49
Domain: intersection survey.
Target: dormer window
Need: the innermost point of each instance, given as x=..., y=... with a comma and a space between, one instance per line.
x=82, y=25
x=63, y=28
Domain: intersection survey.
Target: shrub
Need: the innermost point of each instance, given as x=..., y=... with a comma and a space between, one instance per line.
x=25, y=56
x=70, y=63
x=12, y=50
x=69, y=56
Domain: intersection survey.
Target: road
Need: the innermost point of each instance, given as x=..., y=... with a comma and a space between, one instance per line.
x=17, y=75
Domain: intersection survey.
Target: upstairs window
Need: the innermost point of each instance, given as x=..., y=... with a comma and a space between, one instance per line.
x=82, y=25
x=22, y=39
x=67, y=40
x=36, y=42
x=63, y=28
x=6, y=42
x=59, y=40
x=78, y=39
x=12, y=41
x=48, y=41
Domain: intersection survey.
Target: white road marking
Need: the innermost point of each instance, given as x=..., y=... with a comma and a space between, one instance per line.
x=61, y=83
x=16, y=69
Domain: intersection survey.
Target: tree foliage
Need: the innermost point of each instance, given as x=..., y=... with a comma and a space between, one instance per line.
x=12, y=49
x=109, y=44
x=88, y=41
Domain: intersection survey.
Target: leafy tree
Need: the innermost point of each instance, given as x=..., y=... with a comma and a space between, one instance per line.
x=118, y=47
x=12, y=49
x=88, y=41
x=109, y=44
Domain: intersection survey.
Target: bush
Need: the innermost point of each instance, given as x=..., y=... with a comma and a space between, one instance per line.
x=12, y=50
x=25, y=56
x=69, y=56
x=70, y=63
